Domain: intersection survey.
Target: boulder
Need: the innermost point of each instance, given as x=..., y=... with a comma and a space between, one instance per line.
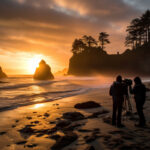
x=27, y=130
x=2, y=74
x=96, y=114
x=43, y=72
x=63, y=141
x=63, y=123
x=73, y=116
x=87, y=105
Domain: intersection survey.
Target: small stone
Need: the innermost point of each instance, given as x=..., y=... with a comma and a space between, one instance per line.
x=32, y=145
x=46, y=115
x=2, y=133
x=21, y=142
x=13, y=126
x=36, y=122
x=52, y=122
x=29, y=118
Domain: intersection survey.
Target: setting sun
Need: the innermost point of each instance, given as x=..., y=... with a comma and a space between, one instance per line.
x=34, y=63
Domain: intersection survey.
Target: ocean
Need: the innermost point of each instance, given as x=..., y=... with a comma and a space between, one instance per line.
x=24, y=90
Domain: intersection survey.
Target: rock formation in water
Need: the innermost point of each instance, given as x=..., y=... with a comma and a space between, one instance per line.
x=43, y=72
x=2, y=74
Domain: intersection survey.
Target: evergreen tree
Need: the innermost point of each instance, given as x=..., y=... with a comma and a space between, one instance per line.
x=139, y=31
x=78, y=46
x=89, y=41
x=103, y=39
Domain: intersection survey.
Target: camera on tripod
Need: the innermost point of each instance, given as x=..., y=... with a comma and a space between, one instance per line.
x=128, y=82
x=127, y=102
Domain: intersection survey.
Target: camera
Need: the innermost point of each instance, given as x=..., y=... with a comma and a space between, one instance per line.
x=128, y=82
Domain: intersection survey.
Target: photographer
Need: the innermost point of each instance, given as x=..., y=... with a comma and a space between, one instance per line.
x=139, y=91
x=118, y=90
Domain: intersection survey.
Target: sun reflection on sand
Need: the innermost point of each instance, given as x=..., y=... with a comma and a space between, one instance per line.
x=36, y=106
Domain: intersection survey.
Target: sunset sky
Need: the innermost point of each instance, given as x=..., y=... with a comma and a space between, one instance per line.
x=32, y=30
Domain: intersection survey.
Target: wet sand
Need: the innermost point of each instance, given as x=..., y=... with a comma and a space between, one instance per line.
x=48, y=126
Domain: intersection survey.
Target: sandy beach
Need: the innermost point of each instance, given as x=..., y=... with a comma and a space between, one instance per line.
x=48, y=126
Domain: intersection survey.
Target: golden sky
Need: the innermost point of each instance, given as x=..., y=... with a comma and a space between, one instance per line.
x=45, y=29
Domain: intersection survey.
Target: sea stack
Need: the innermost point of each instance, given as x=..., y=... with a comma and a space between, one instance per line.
x=43, y=72
x=2, y=74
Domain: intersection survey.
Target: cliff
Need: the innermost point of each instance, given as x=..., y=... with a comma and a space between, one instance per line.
x=95, y=60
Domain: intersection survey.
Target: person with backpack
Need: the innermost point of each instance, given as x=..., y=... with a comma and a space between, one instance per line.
x=118, y=91
x=139, y=91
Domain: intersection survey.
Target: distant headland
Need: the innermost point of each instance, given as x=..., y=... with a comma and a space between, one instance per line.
x=89, y=55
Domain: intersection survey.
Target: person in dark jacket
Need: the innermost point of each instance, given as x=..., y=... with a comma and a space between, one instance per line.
x=139, y=91
x=117, y=91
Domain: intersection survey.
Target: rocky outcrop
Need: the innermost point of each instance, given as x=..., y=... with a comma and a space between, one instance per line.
x=2, y=74
x=43, y=72
x=93, y=60
x=87, y=105
x=73, y=116
x=65, y=140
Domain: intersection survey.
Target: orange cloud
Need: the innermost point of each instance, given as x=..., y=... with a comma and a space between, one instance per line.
x=48, y=27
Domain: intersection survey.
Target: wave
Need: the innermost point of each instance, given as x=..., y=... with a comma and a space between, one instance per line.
x=44, y=94
x=26, y=85
x=19, y=92
x=67, y=93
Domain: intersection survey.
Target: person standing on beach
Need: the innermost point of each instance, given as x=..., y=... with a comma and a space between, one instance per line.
x=117, y=91
x=139, y=91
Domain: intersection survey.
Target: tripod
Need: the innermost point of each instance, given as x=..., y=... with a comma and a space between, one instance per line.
x=127, y=105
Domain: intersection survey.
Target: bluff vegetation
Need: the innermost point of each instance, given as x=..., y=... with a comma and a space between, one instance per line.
x=89, y=55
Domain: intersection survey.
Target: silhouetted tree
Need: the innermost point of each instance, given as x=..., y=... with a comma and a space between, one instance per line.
x=91, y=58
x=103, y=39
x=139, y=31
x=89, y=41
x=145, y=19
x=78, y=46
x=135, y=32
x=129, y=42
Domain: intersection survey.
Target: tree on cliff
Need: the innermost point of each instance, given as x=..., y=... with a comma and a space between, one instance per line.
x=146, y=24
x=89, y=41
x=93, y=59
x=78, y=46
x=103, y=39
x=139, y=31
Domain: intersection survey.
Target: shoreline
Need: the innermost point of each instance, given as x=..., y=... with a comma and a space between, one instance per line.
x=92, y=131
